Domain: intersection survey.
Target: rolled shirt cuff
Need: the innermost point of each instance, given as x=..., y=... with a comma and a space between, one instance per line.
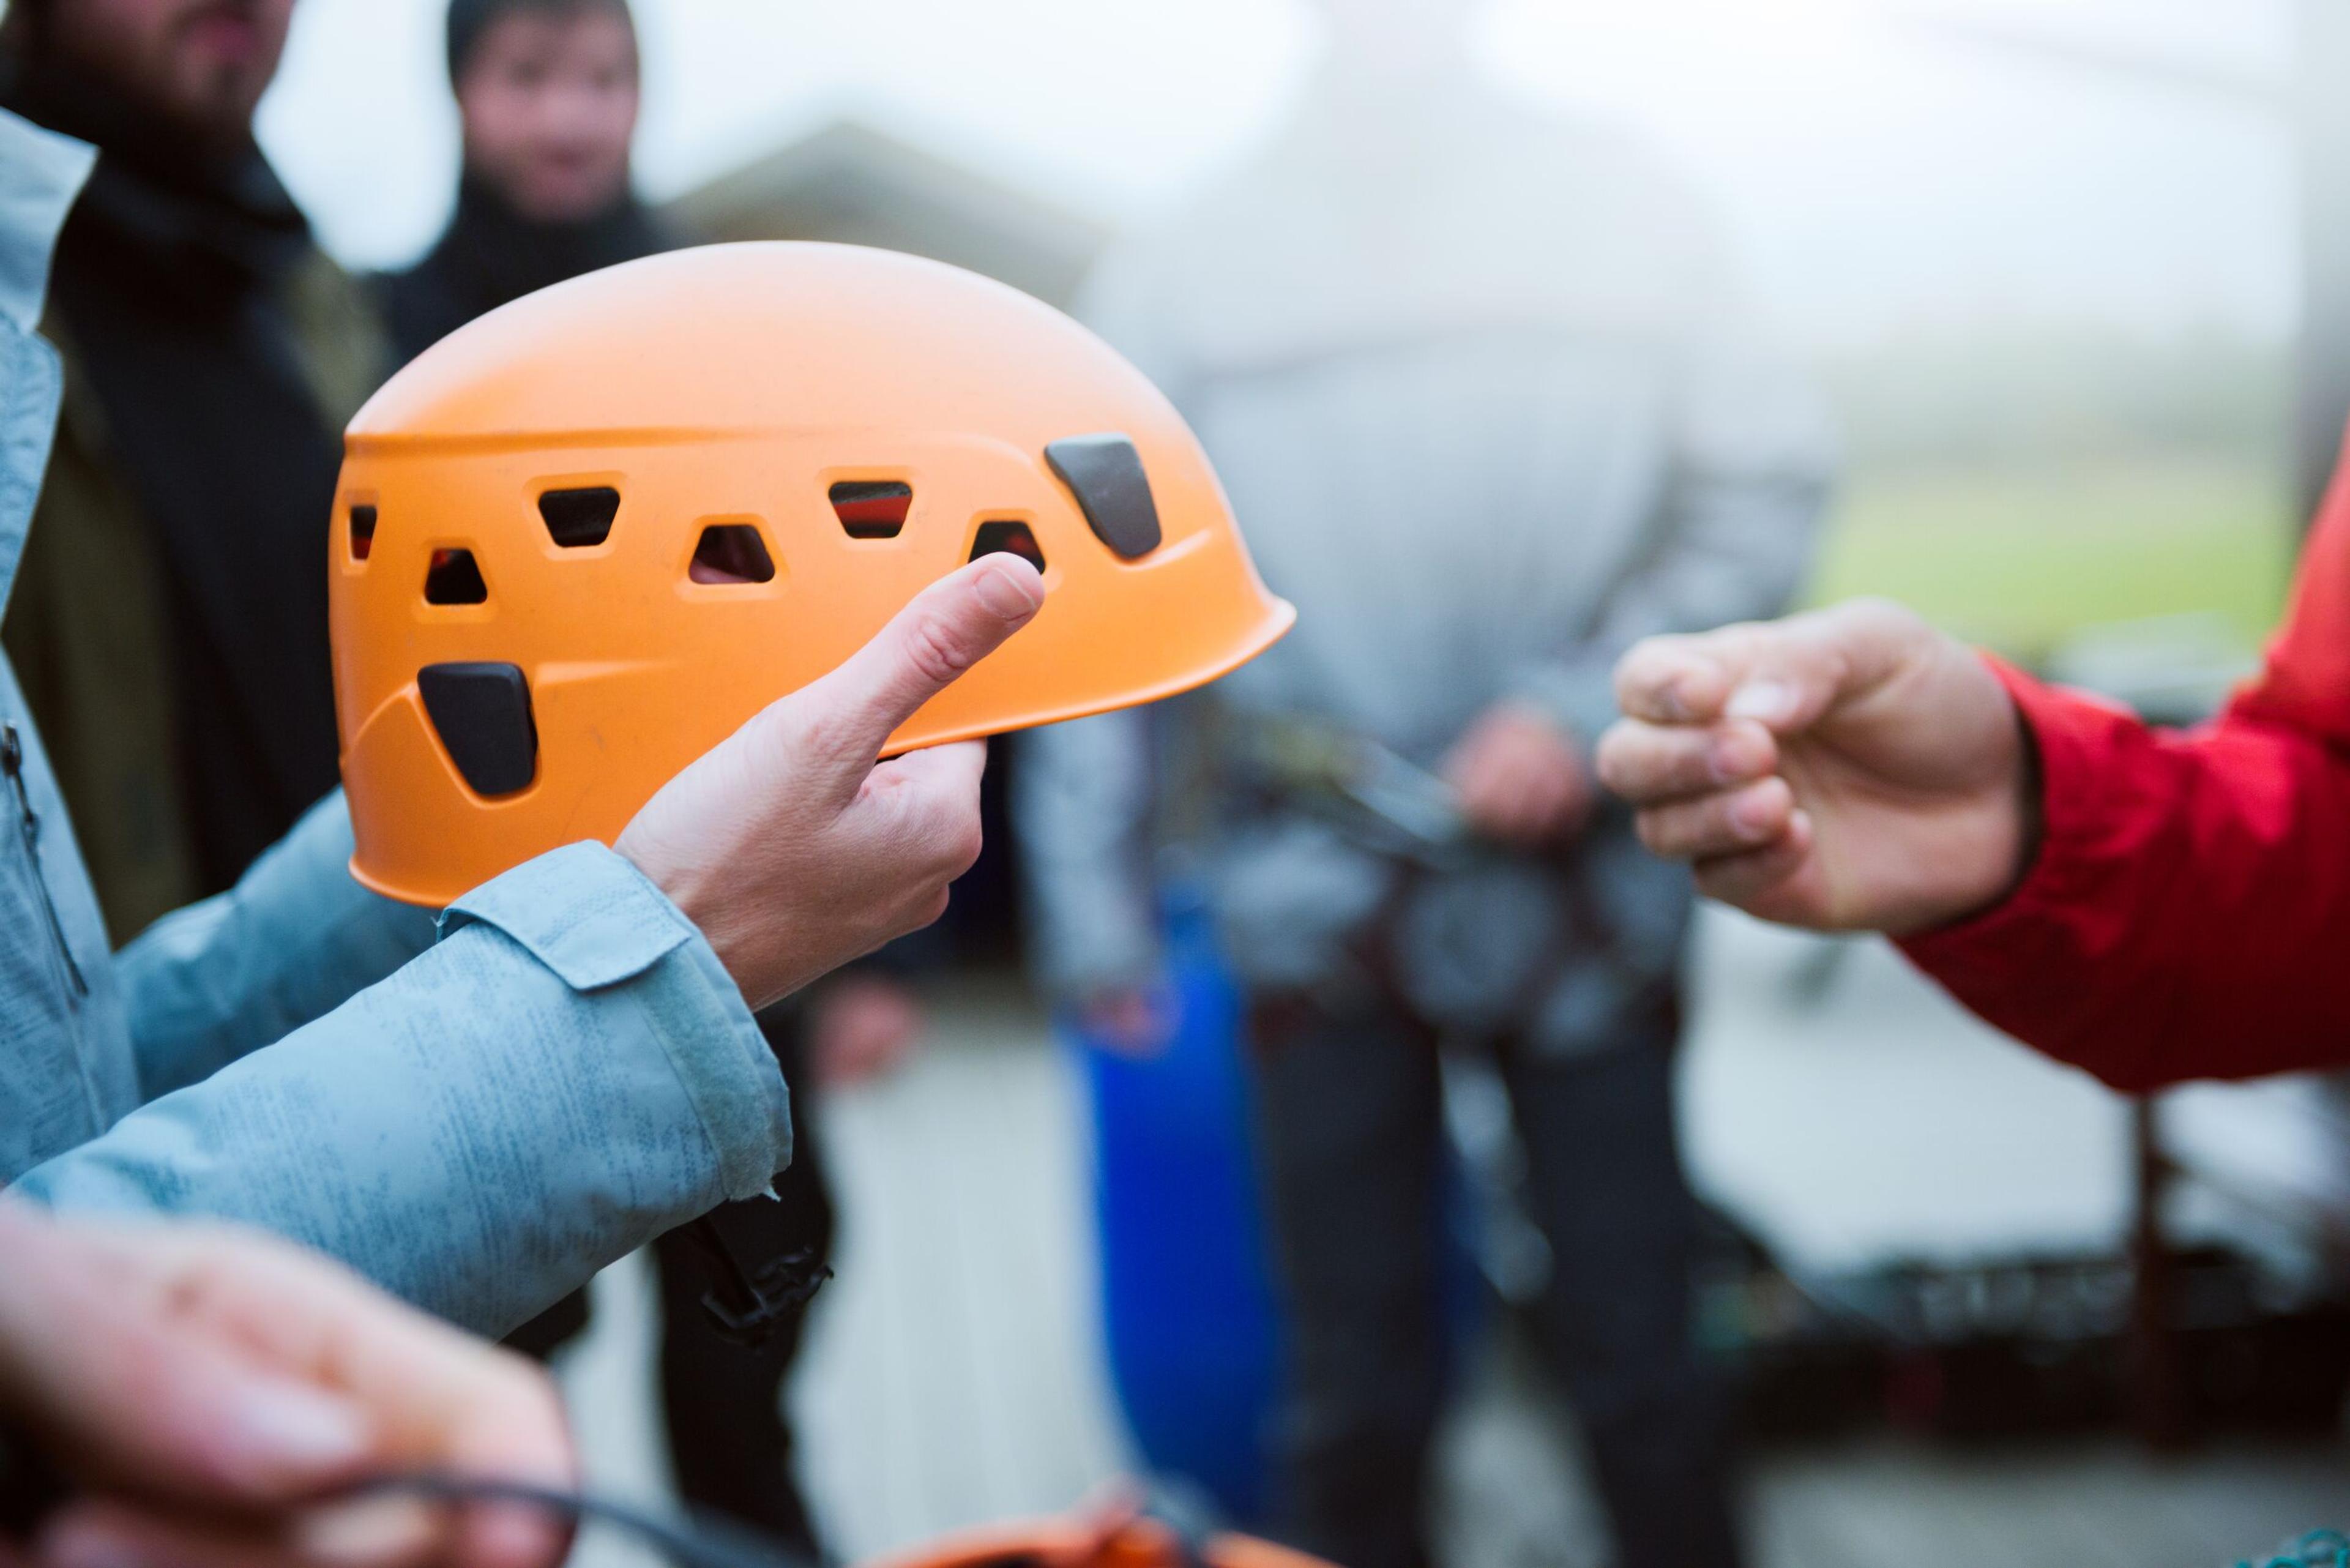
x=594, y=919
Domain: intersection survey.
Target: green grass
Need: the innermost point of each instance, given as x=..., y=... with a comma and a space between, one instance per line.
x=2019, y=558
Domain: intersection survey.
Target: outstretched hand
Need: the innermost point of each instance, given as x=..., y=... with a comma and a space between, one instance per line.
x=789, y=846
x=1847, y=769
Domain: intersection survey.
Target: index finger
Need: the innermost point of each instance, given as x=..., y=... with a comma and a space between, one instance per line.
x=1676, y=679
x=849, y=714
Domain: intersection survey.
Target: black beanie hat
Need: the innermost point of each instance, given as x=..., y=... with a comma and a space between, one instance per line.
x=469, y=19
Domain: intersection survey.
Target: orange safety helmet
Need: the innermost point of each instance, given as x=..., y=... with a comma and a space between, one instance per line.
x=582, y=540
x=1118, y=1537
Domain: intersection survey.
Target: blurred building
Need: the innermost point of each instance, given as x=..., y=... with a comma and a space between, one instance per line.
x=853, y=183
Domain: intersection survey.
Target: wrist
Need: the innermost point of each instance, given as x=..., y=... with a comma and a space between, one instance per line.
x=2015, y=842
x=2026, y=799
x=2015, y=815
x=693, y=892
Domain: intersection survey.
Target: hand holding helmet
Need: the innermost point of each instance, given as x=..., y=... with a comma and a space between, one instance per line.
x=789, y=846
x=1850, y=769
x=588, y=538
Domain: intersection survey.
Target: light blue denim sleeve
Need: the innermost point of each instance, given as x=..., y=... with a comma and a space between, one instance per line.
x=292, y=940
x=566, y=1075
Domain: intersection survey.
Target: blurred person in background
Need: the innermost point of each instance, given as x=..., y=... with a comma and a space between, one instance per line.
x=547, y=95
x=1483, y=392
x=169, y=620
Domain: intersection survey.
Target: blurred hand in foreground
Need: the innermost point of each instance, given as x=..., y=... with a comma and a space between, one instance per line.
x=787, y=843
x=1847, y=769
x=199, y=1386
x=861, y=1027
x=1519, y=779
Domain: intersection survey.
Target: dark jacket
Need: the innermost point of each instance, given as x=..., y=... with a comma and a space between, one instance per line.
x=491, y=254
x=168, y=622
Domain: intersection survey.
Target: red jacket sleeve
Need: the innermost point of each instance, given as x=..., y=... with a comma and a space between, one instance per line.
x=2189, y=913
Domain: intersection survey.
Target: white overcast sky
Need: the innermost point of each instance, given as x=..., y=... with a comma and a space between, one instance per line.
x=1878, y=175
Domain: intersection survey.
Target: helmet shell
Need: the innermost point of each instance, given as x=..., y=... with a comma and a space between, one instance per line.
x=513, y=673
x=1111, y=1536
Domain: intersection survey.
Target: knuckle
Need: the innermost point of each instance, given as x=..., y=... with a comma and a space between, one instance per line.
x=1645, y=663
x=933, y=651
x=1713, y=826
x=921, y=908
x=962, y=840
x=944, y=826
x=823, y=731
x=1876, y=619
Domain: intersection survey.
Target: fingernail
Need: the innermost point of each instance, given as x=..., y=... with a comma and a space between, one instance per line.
x=274, y=1430
x=1766, y=700
x=1009, y=594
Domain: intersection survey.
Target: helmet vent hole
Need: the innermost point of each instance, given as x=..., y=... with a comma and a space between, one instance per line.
x=455, y=578
x=579, y=518
x=872, y=508
x=1008, y=538
x=731, y=552
x=362, y=532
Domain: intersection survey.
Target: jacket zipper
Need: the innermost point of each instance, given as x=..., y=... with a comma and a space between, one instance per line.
x=28, y=827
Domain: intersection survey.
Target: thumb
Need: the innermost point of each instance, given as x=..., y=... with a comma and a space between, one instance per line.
x=850, y=714
x=1782, y=674
x=1685, y=678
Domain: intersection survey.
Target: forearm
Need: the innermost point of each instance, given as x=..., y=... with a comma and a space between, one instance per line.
x=2183, y=914
x=292, y=940
x=555, y=1084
